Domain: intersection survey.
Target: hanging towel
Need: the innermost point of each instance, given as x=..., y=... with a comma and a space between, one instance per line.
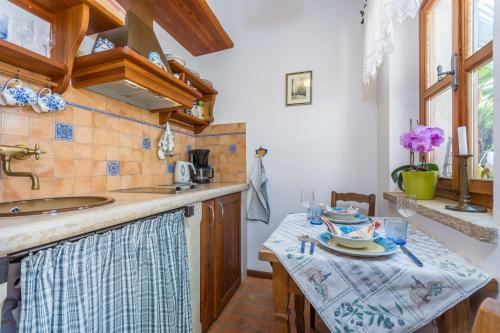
x=258, y=205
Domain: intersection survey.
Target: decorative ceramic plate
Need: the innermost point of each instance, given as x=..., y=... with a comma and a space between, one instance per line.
x=359, y=218
x=379, y=247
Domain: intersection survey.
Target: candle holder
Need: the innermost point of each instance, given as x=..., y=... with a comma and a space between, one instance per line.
x=464, y=204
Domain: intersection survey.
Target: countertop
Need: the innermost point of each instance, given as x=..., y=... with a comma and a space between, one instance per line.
x=25, y=232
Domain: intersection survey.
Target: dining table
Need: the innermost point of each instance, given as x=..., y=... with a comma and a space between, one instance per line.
x=376, y=294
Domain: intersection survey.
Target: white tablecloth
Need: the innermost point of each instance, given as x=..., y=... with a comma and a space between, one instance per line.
x=383, y=294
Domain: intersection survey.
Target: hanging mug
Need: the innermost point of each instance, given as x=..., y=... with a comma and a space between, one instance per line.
x=17, y=95
x=48, y=102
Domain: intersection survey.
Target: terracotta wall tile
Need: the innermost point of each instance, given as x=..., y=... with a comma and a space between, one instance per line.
x=83, y=134
x=64, y=168
x=99, y=184
x=43, y=128
x=99, y=152
x=83, y=184
x=99, y=136
x=83, y=118
x=83, y=151
x=66, y=116
x=44, y=168
x=64, y=186
x=16, y=189
x=64, y=149
x=15, y=124
x=80, y=166
x=83, y=168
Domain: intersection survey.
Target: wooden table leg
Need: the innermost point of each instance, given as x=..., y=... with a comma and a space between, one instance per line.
x=456, y=319
x=298, y=300
x=280, y=298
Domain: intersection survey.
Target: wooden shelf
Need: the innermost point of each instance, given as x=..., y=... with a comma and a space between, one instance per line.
x=193, y=24
x=195, y=80
x=101, y=19
x=184, y=120
x=20, y=57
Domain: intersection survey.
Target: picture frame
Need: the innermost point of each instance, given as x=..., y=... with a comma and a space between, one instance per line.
x=298, y=88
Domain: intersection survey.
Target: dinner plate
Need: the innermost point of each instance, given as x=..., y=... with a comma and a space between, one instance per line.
x=380, y=247
x=360, y=218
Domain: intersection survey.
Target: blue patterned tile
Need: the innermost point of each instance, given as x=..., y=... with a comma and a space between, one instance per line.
x=64, y=131
x=170, y=168
x=232, y=149
x=113, y=168
x=146, y=143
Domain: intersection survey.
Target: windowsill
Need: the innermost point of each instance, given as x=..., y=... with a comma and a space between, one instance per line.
x=477, y=225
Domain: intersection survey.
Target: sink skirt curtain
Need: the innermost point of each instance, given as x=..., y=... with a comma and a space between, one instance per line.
x=135, y=279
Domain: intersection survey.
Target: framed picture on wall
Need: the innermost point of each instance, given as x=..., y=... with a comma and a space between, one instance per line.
x=299, y=88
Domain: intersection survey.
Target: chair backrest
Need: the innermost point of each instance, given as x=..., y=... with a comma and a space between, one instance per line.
x=487, y=317
x=356, y=197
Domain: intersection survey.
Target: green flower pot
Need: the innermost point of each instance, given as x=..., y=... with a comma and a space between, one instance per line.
x=422, y=184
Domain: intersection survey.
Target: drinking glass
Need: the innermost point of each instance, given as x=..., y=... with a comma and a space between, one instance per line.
x=407, y=205
x=396, y=230
x=307, y=198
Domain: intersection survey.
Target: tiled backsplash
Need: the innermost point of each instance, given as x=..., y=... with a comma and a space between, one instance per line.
x=99, y=144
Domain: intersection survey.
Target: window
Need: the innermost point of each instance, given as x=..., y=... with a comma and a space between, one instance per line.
x=463, y=30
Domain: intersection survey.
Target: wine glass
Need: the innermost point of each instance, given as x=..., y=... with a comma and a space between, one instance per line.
x=307, y=198
x=45, y=40
x=407, y=205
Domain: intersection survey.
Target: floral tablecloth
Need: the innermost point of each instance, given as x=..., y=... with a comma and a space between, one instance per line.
x=383, y=294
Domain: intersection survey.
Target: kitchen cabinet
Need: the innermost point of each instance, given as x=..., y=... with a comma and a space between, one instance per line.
x=220, y=255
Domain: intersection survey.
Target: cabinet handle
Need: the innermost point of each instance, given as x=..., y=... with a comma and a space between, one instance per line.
x=221, y=211
x=213, y=215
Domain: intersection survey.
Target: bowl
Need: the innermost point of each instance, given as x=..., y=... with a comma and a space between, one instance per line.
x=353, y=243
x=340, y=213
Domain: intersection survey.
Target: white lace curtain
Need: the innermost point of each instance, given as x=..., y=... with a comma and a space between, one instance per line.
x=379, y=38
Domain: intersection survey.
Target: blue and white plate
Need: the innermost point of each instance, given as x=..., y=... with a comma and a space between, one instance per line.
x=379, y=247
x=359, y=218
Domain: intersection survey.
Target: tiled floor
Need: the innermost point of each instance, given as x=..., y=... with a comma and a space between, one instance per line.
x=251, y=311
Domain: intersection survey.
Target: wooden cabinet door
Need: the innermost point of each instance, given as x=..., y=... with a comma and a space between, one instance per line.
x=227, y=249
x=207, y=265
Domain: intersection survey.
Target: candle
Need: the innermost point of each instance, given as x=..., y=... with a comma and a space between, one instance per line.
x=462, y=141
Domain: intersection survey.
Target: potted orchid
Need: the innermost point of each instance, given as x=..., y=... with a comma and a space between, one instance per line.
x=419, y=179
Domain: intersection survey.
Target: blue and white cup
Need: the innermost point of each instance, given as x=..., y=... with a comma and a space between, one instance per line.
x=14, y=94
x=48, y=102
x=103, y=44
x=154, y=57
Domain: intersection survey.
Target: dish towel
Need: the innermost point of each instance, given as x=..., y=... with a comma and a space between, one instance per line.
x=258, y=205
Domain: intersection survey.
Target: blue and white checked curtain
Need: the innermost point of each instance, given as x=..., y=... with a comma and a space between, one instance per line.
x=135, y=279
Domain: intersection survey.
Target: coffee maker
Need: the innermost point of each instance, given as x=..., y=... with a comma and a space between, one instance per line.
x=202, y=173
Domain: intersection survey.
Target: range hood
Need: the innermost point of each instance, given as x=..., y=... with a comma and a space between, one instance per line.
x=125, y=74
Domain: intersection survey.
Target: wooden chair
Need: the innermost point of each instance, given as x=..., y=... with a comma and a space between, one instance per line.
x=356, y=197
x=487, y=317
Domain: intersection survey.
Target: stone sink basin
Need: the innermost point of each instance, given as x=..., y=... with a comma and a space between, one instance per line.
x=51, y=205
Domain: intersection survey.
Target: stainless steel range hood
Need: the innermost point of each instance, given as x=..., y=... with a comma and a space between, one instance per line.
x=125, y=74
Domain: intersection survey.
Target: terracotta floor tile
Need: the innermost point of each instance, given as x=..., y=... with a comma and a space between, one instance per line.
x=251, y=311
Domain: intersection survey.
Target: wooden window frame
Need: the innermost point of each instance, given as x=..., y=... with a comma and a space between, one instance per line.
x=481, y=190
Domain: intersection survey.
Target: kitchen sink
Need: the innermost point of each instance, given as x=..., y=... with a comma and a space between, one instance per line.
x=51, y=205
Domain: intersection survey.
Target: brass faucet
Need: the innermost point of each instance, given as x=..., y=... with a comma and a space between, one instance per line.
x=20, y=152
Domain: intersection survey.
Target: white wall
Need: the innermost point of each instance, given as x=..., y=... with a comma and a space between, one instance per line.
x=329, y=145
